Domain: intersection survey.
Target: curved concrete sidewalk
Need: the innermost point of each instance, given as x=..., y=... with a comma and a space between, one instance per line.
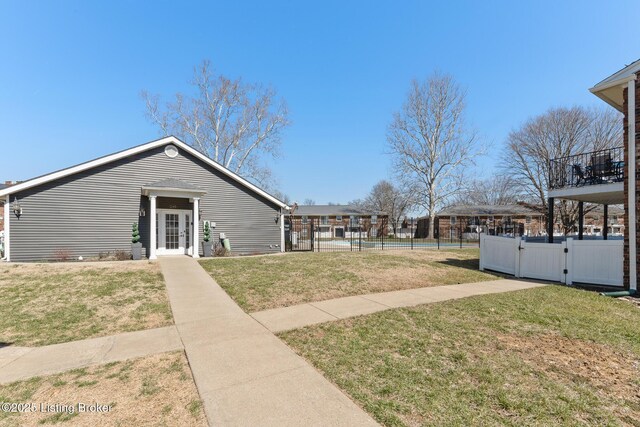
x=19, y=363
x=297, y=316
x=244, y=374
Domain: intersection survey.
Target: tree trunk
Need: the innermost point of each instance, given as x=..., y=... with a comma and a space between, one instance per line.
x=432, y=219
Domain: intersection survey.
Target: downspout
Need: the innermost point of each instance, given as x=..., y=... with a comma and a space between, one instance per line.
x=631, y=197
x=282, y=243
x=7, y=228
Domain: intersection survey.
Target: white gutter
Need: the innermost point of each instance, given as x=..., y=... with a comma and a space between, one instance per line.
x=631, y=201
x=7, y=228
x=135, y=150
x=599, y=90
x=282, y=242
x=613, y=83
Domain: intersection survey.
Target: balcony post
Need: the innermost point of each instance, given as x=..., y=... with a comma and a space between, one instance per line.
x=580, y=220
x=605, y=221
x=550, y=203
x=630, y=206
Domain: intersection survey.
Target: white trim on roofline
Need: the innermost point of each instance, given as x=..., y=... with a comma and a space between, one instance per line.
x=135, y=150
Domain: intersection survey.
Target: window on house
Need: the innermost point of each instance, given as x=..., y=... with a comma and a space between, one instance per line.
x=324, y=220
x=338, y=217
x=354, y=219
x=490, y=218
x=374, y=219
x=305, y=219
x=474, y=220
x=452, y=220
x=506, y=220
x=528, y=219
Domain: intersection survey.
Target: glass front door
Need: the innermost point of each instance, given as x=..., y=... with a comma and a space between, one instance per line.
x=174, y=232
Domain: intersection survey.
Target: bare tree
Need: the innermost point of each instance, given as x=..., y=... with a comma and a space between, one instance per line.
x=309, y=202
x=497, y=190
x=281, y=196
x=431, y=144
x=559, y=132
x=232, y=122
x=388, y=199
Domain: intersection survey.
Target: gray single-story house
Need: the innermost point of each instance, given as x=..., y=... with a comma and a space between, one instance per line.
x=166, y=186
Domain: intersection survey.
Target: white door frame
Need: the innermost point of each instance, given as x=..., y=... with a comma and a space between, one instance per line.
x=185, y=232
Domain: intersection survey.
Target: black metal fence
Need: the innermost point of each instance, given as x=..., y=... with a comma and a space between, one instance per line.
x=596, y=167
x=361, y=234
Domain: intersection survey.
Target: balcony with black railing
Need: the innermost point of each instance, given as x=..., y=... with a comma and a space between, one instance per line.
x=585, y=169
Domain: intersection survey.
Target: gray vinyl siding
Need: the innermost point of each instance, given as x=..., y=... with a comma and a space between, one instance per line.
x=92, y=211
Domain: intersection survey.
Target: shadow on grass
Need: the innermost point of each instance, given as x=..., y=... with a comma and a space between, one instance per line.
x=470, y=264
x=5, y=344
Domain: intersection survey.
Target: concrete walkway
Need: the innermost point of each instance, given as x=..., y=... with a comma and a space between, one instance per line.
x=297, y=316
x=244, y=374
x=19, y=363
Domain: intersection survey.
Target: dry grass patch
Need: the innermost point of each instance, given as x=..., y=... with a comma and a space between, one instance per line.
x=156, y=390
x=52, y=303
x=544, y=356
x=279, y=281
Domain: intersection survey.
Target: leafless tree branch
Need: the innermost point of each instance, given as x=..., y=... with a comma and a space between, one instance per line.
x=234, y=123
x=430, y=143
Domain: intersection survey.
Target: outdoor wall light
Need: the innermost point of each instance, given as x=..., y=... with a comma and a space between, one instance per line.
x=17, y=209
x=277, y=218
x=142, y=212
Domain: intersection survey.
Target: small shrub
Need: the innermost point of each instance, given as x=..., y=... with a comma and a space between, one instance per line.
x=104, y=255
x=219, y=250
x=206, y=234
x=121, y=255
x=62, y=254
x=135, y=233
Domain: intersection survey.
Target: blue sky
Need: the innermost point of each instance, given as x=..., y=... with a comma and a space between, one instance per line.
x=72, y=71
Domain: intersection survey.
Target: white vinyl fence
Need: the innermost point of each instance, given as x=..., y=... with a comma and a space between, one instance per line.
x=585, y=261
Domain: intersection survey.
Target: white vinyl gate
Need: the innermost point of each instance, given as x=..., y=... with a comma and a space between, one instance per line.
x=586, y=261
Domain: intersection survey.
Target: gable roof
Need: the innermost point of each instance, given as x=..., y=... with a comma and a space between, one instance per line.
x=135, y=150
x=610, y=89
x=325, y=210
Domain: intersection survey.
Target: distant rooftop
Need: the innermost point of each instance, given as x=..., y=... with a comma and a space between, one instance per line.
x=330, y=210
x=514, y=209
x=7, y=184
x=481, y=210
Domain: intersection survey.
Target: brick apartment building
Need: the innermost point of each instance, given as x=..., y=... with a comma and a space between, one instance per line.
x=337, y=221
x=516, y=220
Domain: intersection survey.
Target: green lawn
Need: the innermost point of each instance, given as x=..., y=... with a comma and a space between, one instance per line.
x=544, y=356
x=258, y=283
x=52, y=303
